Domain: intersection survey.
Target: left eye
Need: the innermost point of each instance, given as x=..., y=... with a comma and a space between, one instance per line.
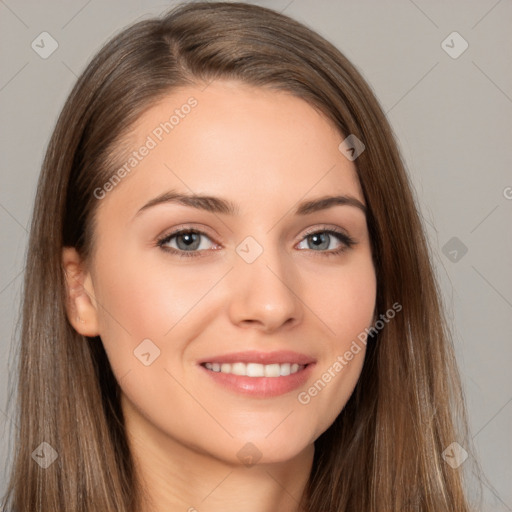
x=322, y=240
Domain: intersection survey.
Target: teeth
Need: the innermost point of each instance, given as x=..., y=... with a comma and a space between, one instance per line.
x=272, y=370
x=256, y=369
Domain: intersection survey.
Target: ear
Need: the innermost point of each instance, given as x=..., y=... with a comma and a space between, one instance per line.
x=81, y=306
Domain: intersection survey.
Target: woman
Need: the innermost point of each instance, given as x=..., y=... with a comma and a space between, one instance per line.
x=229, y=303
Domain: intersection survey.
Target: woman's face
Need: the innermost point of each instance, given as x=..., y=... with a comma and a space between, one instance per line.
x=270, y=284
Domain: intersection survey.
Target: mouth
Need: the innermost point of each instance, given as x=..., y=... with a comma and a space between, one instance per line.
x=259, y=374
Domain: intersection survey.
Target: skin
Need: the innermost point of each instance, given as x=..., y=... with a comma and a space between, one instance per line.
x=266, y=151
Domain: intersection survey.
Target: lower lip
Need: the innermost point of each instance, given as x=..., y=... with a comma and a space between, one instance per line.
x=261, y=387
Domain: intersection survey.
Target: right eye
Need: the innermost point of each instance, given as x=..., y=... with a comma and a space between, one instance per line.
x=187, y=242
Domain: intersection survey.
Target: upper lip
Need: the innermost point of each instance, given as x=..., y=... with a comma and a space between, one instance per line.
x=254, y=356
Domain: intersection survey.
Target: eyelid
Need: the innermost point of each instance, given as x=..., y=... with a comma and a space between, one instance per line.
x=186, y=227
x=325, y=227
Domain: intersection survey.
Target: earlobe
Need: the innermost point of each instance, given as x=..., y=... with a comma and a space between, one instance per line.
x=80, y=302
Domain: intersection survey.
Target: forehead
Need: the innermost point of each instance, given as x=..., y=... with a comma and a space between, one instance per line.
x=251, y=144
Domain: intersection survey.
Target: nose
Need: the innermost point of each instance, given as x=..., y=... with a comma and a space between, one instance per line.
x=265, y=294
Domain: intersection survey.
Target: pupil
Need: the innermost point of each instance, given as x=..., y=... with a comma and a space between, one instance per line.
x=189, y=239
x=319, y=243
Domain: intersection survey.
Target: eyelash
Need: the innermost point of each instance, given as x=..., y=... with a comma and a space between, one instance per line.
x=346, y=240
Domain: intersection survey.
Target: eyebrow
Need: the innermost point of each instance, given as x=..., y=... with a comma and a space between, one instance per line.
x=218, y=205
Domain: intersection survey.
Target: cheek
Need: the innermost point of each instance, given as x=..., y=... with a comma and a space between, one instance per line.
x=344, y=299
x=134, y=305
x=346, y=305
x=143, y=300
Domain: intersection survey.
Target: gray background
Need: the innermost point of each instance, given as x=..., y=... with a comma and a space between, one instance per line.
x=452, y=117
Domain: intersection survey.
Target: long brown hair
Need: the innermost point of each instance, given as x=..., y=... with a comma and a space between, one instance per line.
x=384, y=450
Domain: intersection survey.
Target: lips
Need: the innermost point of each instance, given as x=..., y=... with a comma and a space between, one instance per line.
x=265, y=358
x=259, y=374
